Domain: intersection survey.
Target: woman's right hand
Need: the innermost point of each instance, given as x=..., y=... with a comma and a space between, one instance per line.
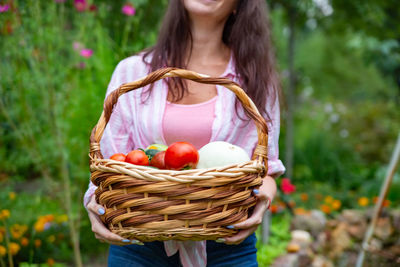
x=100, y=231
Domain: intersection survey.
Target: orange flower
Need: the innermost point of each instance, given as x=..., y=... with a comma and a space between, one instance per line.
x=49, y=217
x=4, y=214
x=304, y=197
x=50, y=261
x=38, y=243
x=18, y=230
x=336, y=204
x=12, y=195
x=363, y=201
x=281, y=204
x=291, y=203
x=14, y=248
x=386, y=202
x=39, y=226
x=273, y=208
x=24, y=241
x=43, y=222
x=325, y=208
x=3, y=251
x=328, y=199
x=301, y=211
x=1, y=237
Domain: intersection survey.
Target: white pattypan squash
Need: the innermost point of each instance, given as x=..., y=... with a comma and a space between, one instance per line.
x=219, y=154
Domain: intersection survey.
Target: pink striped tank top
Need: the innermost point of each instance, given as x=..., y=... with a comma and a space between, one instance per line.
x=190, y=123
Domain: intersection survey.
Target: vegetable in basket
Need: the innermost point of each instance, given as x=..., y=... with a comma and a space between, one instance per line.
x=137, y=157
x=181, y=155
x=158, y=160
x=219, y=153
x=151, y=153
x=118, y=156
x=160, y=147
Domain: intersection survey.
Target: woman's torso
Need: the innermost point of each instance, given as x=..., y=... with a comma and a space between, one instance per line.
x=190, y=123
x=136, y=121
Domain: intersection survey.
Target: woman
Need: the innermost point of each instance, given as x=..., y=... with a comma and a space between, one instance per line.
x=220, y=38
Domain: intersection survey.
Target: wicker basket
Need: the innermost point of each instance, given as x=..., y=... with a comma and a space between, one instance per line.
x=148, y=204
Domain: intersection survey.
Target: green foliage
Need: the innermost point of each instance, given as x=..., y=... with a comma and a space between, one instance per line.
x=51, y=97
x=377, y=18
x=278, y=240
x=347, y=117
x=40, y=233
x=50, y=91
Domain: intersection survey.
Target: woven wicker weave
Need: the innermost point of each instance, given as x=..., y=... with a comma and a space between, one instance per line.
x=148, y=204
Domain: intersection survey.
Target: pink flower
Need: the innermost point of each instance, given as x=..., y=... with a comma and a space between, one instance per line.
x=287, y=187
x=80, y=5
x=87, y=53
x=4, y=8
x=128, y=10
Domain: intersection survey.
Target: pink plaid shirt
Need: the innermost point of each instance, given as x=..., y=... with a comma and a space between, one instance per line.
x=134, y=124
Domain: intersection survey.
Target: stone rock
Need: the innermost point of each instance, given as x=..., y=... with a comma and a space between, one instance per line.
x=339, y=240
x=301, y=237
x=305, y=258
x=357, y=230
x=369, y=213
x=395, y=250
x=321, y=261
x=314, y=222
x=395, y=214
x=331, y=224
x=356, y=223
x=287, y=260
x=383, y=228
x=375, y=244
x=353, y=216
x=321, y=243
x=319, y=216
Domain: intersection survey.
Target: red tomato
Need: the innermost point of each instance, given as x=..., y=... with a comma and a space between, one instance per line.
x=158, y=160
x=181, y=155
x=137, y=157
x=118, y=156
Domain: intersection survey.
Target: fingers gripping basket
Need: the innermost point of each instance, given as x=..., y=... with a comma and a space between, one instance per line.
x=149, y=204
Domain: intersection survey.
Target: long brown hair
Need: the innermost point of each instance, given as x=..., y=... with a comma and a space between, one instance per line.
x=246, y=33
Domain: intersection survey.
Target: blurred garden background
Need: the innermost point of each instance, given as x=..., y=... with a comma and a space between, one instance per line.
x=339, y=63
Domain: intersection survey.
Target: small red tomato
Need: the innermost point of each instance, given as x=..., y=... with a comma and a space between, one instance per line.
x=181, y=155
x=158, y=160
x=137, y=157
x=118, y=156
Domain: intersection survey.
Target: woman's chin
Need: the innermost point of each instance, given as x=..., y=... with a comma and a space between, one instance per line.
x=209, y=8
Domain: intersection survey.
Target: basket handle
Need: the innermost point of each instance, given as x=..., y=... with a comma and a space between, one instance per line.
x=261, y=151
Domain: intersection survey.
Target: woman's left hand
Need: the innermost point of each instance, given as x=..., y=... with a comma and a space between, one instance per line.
x=264, y=195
